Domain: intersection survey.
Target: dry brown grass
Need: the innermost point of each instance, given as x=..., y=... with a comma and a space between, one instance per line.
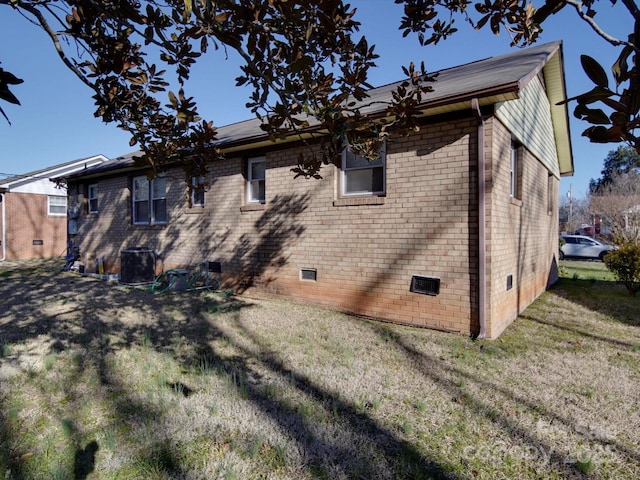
x=105, y=381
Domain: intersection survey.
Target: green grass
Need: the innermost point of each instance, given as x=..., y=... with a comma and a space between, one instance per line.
x=585, y=270
x=591, y=285
x=115, y=383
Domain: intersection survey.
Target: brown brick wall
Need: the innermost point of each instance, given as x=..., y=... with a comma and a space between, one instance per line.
x=524, y=233
x=27, y=220
x=364, y=255
x=365, y=251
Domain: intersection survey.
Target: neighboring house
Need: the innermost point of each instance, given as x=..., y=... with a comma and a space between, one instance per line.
x=417, y=237
x=33, y=212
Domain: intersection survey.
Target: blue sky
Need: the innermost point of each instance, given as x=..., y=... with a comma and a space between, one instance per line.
x=55, y=122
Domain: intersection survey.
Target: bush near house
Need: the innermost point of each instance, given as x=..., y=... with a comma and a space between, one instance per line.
x=625, y=264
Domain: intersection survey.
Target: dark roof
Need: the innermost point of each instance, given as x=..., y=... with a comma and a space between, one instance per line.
x=491, y=76
x=492, y=80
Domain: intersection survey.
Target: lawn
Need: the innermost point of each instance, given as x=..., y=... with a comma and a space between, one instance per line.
x=101, y=381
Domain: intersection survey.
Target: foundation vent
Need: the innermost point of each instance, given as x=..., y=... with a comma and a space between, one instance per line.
x=425, y=285
x=509, y=282
x=215, y=267
x=309, y=274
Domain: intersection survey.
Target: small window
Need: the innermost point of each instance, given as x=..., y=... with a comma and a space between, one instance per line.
x=149, y=199
x=361, y=176
x=550, y=194
x=197, y=191
x=256, y=173
x=57, y=205
x=515, y=188
x=92, y=196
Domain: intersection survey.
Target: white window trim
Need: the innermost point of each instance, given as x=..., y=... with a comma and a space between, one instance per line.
x=515, y=170
x=49, y=205
x=343, y=174
x=93, y=186
x=150, y=200
x=153, y=199
x=251, y=180
x=513, y=159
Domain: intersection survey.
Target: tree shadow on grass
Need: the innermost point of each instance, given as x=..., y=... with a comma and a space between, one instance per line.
x=399, y=456
x=441, y=374
x=607, y=298
x=85, y=461
x=67, y=312
x=583, y=332
x=52, y=312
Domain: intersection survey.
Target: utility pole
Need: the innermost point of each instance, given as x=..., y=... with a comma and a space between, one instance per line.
x=570, y=195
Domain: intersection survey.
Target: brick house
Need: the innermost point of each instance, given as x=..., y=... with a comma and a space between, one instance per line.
x=33, y=212
x=417, y=237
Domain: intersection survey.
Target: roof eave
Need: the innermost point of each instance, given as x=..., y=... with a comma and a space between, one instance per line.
x=429, y=109
x=557, y=91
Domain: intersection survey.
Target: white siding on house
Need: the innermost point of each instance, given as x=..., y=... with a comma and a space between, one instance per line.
x=39, y=183
x=42, y=186
x=529, y=120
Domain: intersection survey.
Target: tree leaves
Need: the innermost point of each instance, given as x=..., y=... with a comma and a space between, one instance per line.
x=303, y=61
x=594, y=71
x=6, y=79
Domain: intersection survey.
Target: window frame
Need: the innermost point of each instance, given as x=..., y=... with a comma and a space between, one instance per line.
x=344, y=173
x=50, y=204
x=550, y=193
x=92, y=198
x=260, y=199
x=197, y=196
x=151, y=200
x=515, y=170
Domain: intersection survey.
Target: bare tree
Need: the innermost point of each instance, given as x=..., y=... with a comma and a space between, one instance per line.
x=574, y=212
x=618, y=202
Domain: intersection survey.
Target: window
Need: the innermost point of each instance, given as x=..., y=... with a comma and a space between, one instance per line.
x=149, y=200
x=92, y=196
x=256, y=170
x=197, y=192
x=57, y=205
x=361, y=176
x=515, y=188
x=550, y=194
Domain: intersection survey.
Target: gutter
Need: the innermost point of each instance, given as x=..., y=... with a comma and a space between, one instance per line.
x=482, y=230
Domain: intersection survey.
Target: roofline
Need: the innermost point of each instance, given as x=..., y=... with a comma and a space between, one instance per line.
x=455, y=103
x=551, y=64
x=429, y=109
x=48, y=173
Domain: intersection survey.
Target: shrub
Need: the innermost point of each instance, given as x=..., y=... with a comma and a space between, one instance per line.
x=625, y=265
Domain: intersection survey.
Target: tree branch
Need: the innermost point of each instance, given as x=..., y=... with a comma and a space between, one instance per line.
x=56, y=43
x=578, y=5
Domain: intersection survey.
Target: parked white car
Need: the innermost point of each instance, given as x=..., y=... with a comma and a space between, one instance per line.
x=579, y=246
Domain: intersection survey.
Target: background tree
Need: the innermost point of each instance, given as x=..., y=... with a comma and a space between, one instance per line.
x=303, y=61
x=622, y=160
x=618, y=203
x=574, y=212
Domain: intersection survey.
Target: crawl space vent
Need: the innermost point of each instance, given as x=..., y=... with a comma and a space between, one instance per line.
x=310, y=274
x=425, y=285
